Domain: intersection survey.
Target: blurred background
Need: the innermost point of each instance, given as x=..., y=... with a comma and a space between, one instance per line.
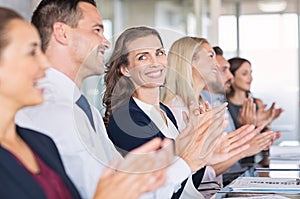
x=266, y=32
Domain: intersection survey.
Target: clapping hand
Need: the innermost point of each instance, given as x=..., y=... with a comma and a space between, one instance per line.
x=142, y=170
x=199, y=137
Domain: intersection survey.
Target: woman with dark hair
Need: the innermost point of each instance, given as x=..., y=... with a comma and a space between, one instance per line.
x=240, y=90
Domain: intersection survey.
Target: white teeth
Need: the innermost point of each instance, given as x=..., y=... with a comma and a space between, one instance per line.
x=39, y=83
x=154, y=74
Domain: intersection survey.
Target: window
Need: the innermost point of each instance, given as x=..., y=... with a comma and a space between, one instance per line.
x=270, y=43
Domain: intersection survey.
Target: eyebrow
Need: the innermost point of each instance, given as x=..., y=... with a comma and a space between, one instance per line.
x=99, y=26
x=141, y=53
x=144, y=52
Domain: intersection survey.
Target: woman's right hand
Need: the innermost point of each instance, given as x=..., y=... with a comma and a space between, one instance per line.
x=142, y=170
x=200, y=136
x=247, y=114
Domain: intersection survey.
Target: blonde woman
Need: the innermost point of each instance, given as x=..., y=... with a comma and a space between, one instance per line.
x=185, y=76
x=192, y=63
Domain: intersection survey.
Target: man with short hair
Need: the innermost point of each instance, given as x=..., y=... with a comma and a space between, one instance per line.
x=215, y=93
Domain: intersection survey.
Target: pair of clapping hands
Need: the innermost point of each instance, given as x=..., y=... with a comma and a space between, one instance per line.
x=262, y=118
x=204, y=142
x=258, y=116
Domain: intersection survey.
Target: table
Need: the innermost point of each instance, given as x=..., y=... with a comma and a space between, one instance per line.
x=266, y=168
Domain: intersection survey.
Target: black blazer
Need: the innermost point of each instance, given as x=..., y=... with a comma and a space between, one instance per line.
x=16, y=182
x=129, y=127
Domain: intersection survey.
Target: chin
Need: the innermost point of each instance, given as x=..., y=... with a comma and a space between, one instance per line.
x=99, y=70
x=37, y=99
x=153, y=85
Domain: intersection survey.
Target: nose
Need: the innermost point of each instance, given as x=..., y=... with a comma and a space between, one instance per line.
x=154, y=60
x=106, y=43
x=43, y=64
x=229, y=75
x=216, y=63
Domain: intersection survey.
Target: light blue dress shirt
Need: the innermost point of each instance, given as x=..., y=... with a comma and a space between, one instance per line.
x=218, y=100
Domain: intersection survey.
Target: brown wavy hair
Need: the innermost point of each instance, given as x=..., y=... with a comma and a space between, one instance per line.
x=120, y=88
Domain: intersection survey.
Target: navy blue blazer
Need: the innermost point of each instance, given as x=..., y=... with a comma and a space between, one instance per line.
x=130, y=127
x=16, y=182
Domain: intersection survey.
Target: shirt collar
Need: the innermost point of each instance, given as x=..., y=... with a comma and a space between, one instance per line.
x=147, y=108
x=58, y=86
x=212, y=98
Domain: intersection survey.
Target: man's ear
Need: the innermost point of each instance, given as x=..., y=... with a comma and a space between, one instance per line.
x=60, y=32
x=125, y=71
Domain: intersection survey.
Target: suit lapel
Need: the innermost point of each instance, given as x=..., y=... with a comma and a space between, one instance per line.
x=134, y=107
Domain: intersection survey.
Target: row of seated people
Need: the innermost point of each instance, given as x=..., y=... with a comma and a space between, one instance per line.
x=234, y=87
x=143, y=149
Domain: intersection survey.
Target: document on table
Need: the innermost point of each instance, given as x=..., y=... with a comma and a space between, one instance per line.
x=284, y=153
x=273, y=196
x=265, y=185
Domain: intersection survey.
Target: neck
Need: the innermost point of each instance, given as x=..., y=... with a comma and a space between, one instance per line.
x=63, y=62
x=238, y=97
x=7, y=123
x=148, y=95
x=198, y=86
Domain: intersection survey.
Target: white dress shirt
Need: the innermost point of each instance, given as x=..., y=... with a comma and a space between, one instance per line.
x=169, y=131
x=85, y=153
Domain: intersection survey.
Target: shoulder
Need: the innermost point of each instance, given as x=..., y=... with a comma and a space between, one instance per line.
x=36, y=140
x=30, y=134
x=129, y=127
x=130, y=111
x=176, y=102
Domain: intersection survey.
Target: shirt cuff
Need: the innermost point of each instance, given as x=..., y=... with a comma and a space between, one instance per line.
x=178, y=172
x=190, y=192
x=209, y=174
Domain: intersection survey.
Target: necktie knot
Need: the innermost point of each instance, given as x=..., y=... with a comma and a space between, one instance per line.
x=83, y=103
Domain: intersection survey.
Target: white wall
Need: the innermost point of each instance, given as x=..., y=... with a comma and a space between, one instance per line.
x=23, y=7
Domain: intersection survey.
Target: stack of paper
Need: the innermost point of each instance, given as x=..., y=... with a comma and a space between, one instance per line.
x=284, y=153
x=265, y=185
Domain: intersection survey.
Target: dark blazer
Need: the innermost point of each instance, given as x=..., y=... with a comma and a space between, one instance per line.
x=16, y=182
x=129, y=127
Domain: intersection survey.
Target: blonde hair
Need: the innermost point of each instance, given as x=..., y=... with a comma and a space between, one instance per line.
x=179, y=78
